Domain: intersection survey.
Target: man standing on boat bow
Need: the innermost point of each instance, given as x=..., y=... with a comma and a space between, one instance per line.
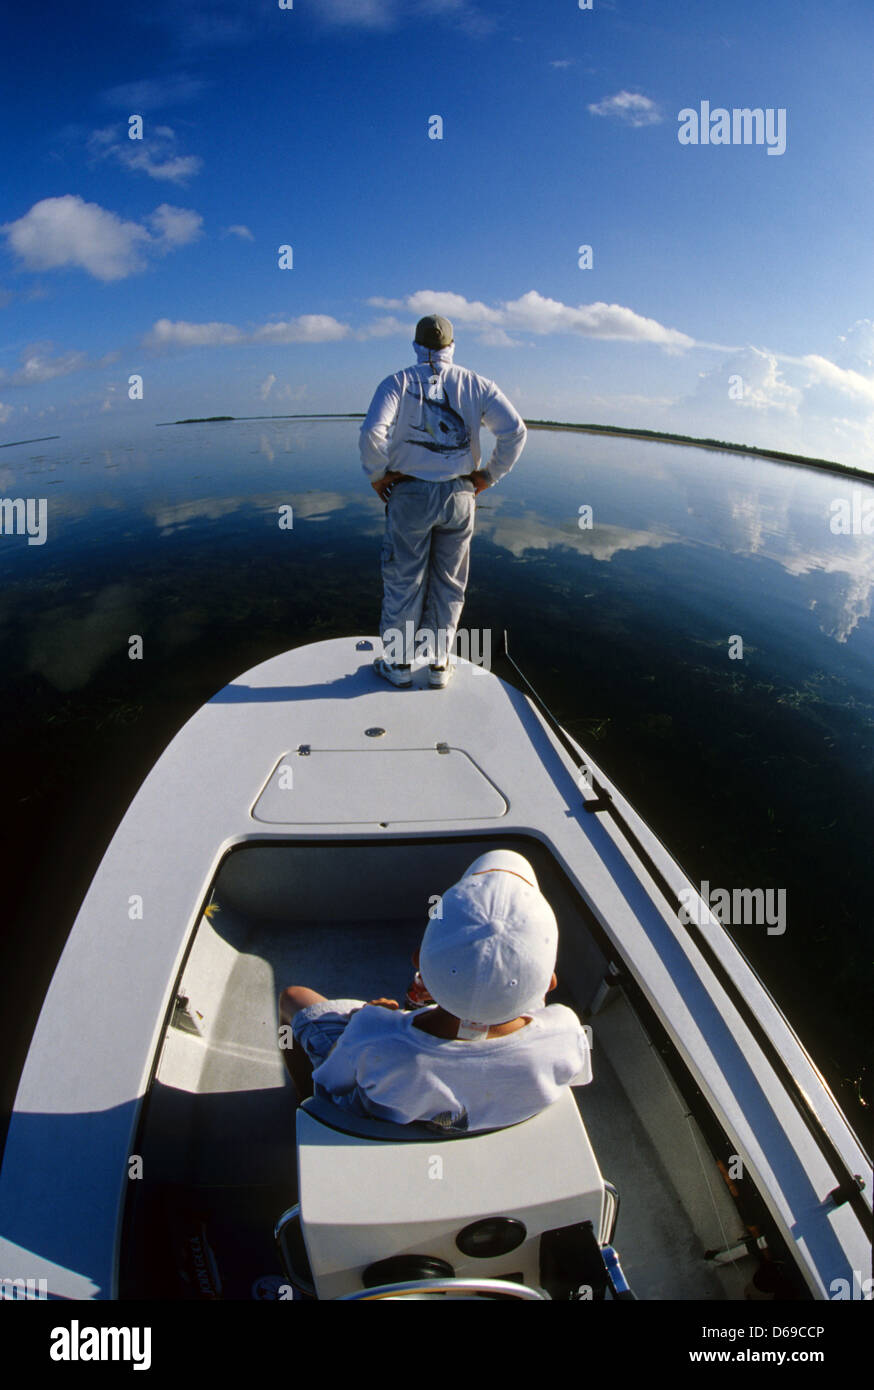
x=420, y=449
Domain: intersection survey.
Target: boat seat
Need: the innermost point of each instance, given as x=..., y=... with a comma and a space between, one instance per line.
x=373, y=1194
x=368, y=1127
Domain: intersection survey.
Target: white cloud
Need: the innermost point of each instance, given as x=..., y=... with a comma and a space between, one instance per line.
x=239, y=230
x=175, y=226
x=442, y=302
x=165, y=333
x=5, y=412
x=67, y=231
x=267, y=386
x=854, y=386
x=807, y=405
x=562, y=63
x=175, y=169
x=539, y=315
x=155, y=154
x=758, y=375
x=631, y=107
x=39, y=365
x=533, y=313
x=307, y=328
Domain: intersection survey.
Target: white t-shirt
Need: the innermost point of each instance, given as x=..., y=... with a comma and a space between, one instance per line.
x=382, y=1066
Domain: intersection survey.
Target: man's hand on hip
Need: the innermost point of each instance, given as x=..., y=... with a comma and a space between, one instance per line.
x=384, y=485
x=479, y=480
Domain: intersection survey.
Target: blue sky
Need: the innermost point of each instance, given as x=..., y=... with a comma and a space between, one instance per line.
x=731, y=292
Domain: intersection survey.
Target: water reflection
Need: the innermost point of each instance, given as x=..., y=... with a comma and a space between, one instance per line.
x=753, y=771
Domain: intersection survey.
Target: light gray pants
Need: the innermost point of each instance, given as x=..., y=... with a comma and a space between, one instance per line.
x=425, y=565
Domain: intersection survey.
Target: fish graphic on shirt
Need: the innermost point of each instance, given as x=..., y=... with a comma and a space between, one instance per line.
x=442, y=430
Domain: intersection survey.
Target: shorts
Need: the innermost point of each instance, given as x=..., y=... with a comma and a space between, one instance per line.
x=318, y=1027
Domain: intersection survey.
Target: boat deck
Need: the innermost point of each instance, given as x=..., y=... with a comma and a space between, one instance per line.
x=324, y=877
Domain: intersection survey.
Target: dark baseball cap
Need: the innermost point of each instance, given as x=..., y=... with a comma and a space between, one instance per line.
x=433, y=331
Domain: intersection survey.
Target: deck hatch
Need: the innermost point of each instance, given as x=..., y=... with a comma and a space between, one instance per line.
x=377, y=785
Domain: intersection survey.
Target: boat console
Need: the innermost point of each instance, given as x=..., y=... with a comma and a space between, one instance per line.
x=386, y=1206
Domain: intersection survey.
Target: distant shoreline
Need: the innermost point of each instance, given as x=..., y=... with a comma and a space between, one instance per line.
x=653, y=436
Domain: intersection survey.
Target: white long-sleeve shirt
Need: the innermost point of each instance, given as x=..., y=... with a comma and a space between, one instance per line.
x=425, y=421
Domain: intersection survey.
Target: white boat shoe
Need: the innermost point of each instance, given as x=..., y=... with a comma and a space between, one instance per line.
x=440, y=676
x=397, y=675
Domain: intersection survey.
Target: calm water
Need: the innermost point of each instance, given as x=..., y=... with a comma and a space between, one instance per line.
x=756, y=772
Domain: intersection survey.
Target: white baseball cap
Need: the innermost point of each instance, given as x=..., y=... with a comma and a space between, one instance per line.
x=491, y=955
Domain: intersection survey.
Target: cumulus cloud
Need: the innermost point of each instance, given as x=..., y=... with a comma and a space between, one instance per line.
x=808, y=405
x=751, y=379
x=786, y=389
x=166, y=333
x=442, y=302
x=239, y=230
x=632, y=108
x=307, y=328
x=856, y=388
x=539, y=315
x=174, y=227
x=67, y=231
x=155, y=155
x=534, y=313
x=267, y=386
x=5, y=412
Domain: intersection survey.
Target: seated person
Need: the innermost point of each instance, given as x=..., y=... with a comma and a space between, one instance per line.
x=487, y=1052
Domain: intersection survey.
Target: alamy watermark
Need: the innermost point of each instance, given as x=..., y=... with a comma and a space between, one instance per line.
x=77, y=1343
x=738, y=907
x=852, y=516
x=24, y=516
x=426, y=644
x=20, y=1289
x=740, y=126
